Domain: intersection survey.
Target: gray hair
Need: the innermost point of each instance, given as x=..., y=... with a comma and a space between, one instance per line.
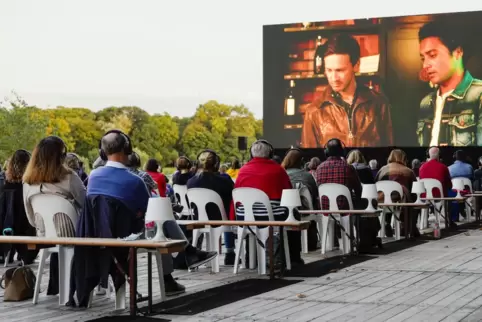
x=373, y=164
x=260, y=149
x=434, y=153
x=113, y=143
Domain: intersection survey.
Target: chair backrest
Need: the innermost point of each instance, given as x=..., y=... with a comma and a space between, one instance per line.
x=431, y=184
x=332, y=191
x=180, y=191
x=201, y=197
x=467, y=183
x=48, y=207
x=305, y=195
x=248, y=197
x=388, y=187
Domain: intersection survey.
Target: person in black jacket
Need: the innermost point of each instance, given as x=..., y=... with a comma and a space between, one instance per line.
x=357, y=160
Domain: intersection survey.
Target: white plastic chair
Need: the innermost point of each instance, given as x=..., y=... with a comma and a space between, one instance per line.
x=201, y=197
x=388, y=187
x=332, y=191
x=305, y=193
x=430, y=185
x=469, y=201
x=180, y=191
x=48, y=206
x=248, y=197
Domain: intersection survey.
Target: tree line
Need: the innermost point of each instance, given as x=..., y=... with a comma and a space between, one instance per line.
x=162, y=136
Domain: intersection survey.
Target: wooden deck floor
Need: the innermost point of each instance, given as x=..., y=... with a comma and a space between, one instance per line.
x=436, y=281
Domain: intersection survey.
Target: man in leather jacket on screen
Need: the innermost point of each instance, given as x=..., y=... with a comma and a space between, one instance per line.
x=450, y=114
x=346, y=110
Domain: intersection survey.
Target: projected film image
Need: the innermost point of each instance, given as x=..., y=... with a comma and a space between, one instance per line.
x=399, y=81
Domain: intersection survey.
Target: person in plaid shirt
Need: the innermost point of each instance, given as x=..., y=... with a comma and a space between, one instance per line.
x=134, y=163
x=336, y=170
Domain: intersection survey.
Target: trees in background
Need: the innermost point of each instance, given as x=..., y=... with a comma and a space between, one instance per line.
x=215, y=126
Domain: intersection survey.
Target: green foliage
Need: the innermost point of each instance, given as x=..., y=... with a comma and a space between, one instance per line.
x=214, y=125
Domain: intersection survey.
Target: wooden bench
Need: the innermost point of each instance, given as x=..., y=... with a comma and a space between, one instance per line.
x=164, y=247
x=293, y=225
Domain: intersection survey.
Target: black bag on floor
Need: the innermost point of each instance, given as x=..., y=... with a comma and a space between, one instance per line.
x=368, y=232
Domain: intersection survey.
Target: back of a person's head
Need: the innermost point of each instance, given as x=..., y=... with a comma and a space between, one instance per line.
x=434, y=153
x=314, y=163
x=72, y=161
x=98, y=163
x=293, y=160
x=355, y=156
x=277, y=159
x=47, y=162
x=114, y=143
x=134, y=160
x=235, y=164
x=397, y=156
x=261, y=149
x=183, y=163
x=416, y=163
x=17, y=165
x=152, y=165
x=373, y=164
x=334, y=148
x=223, y=168
x=208, y=161
x=460, y=155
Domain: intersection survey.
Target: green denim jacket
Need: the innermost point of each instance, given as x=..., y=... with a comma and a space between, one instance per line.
x=461, y=124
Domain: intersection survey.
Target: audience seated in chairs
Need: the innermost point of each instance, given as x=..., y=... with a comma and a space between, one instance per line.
x=264, y=173
x=184, y=172
x=46, y=173
x=153, y=168
x=336, y=170
x=134, y=163
x=398, y=171
x=356, y=159
x=112, y=189
x=208, y=177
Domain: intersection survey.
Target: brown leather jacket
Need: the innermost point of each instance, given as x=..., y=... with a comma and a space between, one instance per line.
x=327, y=118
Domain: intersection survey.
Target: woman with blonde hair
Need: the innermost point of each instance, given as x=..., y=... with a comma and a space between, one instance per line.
x=46, y=173
x=356, y=159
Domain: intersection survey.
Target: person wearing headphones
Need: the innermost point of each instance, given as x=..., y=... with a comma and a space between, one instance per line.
x=265, y=174
x=134, y=163
x=184, y=173
x=461, y=168
x=208, y=177
x=115, y=181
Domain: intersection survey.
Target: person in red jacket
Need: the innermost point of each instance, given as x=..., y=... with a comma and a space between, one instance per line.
x=265, y=174
x=152, y=168
x=434, y=169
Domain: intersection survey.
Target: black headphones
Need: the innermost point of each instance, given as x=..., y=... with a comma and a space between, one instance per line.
x=217, y=163
x=135, y=160
x=340, y=143
x=271, y=149
x=127, y=149
x=189, y=163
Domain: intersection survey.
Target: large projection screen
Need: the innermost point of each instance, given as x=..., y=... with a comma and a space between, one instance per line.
x=400, y=81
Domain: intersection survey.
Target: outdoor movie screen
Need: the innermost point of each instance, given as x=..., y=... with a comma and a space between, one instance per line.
x=401, y=81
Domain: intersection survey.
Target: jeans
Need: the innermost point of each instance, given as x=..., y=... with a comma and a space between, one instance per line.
x=229, y=242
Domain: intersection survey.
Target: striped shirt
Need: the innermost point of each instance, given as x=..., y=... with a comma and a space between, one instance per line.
x=261, y=213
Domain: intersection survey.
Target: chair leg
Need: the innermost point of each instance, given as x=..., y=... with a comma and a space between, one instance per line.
x=44, y=254
x=120, y=298
x=287, y=250
x=324, y=233
x=160, y=272
x=239, y=247
x=304, y=242
x=66, y=254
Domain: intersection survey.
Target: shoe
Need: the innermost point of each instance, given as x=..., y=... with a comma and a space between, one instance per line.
x=198, y=258
x=229, y=259
x=173, y=288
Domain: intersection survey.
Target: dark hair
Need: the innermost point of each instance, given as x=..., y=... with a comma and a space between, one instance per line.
x=134, y=160
x=17, y=165
x=292, y=160
x=235, y=164
x=207, y=161
x=448, y=33
x=277, y=159
x=335, y=148
x=152, y=165
x=343, y=44
x=183, y=163
x=459, y=155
